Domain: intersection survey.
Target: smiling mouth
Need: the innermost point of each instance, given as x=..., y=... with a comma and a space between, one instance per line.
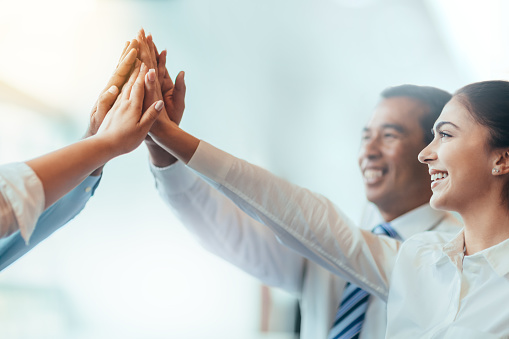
x=373, y=175
x=436, y=178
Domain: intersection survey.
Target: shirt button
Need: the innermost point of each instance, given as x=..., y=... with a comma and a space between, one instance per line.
x=88, y=189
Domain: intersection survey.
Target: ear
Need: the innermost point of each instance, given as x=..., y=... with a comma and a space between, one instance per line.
x=501, y=164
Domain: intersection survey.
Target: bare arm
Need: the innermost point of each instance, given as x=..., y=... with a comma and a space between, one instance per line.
x=123, y=129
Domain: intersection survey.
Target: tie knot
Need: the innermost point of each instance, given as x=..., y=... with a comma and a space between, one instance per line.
x=386, y=229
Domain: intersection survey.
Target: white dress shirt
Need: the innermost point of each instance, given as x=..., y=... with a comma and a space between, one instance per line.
x=21, y=200
x=432, y=291
x=225, y=230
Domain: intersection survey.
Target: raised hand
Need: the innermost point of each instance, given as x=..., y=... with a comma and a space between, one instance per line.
x=161, y=87
x=125, y=125
x=173, y=95
x=115, y=83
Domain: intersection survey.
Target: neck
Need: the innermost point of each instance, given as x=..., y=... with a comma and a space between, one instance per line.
x=486, y=225
x=389, y=213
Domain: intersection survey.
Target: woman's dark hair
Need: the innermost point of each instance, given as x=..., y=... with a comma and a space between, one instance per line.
x=488, y=104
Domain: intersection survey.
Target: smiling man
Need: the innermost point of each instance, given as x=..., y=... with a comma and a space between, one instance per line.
x=395, y=182
x=398, y=130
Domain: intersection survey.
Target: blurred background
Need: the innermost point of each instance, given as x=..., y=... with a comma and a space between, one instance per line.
x=285, y=84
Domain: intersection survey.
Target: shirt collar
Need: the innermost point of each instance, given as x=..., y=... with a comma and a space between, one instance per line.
x=420, y=219
x=496, y=256
x=454, y=250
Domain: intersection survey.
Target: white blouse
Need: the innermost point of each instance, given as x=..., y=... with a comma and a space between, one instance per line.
x=431, y=289
x=21, y=200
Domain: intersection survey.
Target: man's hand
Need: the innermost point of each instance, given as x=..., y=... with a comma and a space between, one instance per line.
x=172, y=95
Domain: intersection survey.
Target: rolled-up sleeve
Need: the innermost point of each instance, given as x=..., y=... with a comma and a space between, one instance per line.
x=21, y=200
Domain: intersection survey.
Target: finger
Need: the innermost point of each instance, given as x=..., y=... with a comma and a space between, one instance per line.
x=151, y=88
x=124, y=51
x=133, y=44
x=153, y=56
x=126, y=91
x=138, y=89
x=105, y=102
x=165, y=85
x=144, y=54
x=122, y=71
x=179, y=95
x=156, y=51
x=167, y=78
x=151, y=114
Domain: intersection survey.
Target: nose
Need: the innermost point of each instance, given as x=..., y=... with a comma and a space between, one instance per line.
x=428, y=154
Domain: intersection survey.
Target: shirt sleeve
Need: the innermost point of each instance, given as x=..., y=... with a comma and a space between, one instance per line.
x=305, y=221
x=57, y=215
x=226, y=231
x=21, y=200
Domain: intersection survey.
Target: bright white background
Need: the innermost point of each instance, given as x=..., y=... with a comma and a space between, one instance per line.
x=285, y=84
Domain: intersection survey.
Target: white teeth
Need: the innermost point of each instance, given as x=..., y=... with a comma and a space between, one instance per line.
x=372, y=174
x=437, y=176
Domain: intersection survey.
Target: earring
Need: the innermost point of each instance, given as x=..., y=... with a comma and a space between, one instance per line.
x=495, y=171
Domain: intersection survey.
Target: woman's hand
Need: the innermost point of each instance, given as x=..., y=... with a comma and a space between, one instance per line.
x=125, y=126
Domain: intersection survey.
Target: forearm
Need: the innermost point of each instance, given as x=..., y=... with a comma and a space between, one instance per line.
x=62, y=170
x=181, y=145
x=223, y=229
x=159, y=157
x=306, y=222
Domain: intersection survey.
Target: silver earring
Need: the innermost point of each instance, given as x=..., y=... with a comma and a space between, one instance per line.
x=495, y=170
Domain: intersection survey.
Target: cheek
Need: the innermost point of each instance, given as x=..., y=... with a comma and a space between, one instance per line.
x=404, y=160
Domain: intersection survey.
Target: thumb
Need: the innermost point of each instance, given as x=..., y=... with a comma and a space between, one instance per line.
x=151, y=114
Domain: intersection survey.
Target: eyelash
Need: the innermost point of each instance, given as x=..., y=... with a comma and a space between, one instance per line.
x=444, y=135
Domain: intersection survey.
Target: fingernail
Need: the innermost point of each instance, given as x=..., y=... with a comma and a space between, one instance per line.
x=152, y=74
x=113, y=89
x=159, y=105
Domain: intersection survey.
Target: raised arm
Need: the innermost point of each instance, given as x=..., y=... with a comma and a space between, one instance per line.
x=56, y=173
x=66, y=208
x=304, y=221
x=217, y=223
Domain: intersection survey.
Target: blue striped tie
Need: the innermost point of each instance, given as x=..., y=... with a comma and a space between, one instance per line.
x=354, y=303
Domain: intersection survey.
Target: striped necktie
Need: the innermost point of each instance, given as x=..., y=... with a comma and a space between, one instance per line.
x=354, y=302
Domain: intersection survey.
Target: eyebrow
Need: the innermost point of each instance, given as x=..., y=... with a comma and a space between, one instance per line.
x=396, y=127
x=442, y=123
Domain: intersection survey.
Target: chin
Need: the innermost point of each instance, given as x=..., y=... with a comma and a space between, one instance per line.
x=438, y=203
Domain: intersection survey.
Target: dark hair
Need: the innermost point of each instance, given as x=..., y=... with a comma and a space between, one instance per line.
x=488, y=104
x=433, y=98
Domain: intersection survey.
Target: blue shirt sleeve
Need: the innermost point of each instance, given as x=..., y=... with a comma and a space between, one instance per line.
x=57, y=215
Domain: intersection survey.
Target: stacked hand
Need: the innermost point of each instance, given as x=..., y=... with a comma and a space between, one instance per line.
x=125, y=124
x=159, y=86
x=144, y=84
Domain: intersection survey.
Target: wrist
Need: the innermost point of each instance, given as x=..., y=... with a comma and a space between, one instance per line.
x=106, y=145
x=159, y=157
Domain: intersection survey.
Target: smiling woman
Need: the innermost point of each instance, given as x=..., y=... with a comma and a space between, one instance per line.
x=460, y=280
x=469, y=162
